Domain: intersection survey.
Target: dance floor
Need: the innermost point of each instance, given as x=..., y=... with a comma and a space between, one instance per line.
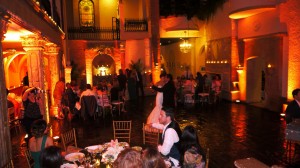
x=231, y=131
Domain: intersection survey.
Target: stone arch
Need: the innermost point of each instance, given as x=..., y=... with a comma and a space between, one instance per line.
x=91, y=54
x=18, y=76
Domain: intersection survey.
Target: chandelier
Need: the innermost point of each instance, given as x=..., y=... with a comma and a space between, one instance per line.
x=185, y=47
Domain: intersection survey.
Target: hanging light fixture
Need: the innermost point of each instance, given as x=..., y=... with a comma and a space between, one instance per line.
x=185, y=46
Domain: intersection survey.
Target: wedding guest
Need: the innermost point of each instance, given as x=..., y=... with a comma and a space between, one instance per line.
x=293, y=109
x=169, y=144
x=32, y=102
x=51, y=157
x=128, y=158
x=191, y=149
x=122, y=80
x=152, y=159
x=168, y=91
x=39, y=141
x=58, y=92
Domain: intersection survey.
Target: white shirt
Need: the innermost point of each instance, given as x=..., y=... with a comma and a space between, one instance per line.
x=170, y=138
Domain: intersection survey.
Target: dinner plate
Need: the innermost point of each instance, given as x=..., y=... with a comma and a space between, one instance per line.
x=74, y=156
x=95, y=148
x=69, y=165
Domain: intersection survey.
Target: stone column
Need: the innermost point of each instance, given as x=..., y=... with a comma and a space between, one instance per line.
x=155, y=39
x=88, y=66
x=34, y=47
x=52, y=50
x=5, y=142
x=122, y=55
x=68, y=71
x=290, y=15
x=235, y=77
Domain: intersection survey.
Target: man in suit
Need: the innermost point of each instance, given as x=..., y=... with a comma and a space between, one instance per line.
x=122, y=80
x=139, y=83
x=168, y=91
x=169, y=144
x=293, y=109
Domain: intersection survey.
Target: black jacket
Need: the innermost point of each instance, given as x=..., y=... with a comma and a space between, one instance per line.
x=168, y=91
x=292, y=111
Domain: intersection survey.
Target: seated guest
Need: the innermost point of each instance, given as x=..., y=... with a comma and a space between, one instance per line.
x=128, y=158
x=293, y=109
x=192, y=159
x=39, y=141
x=169, y=145
x=152, y=159
x=191, y=149
x=51, y=157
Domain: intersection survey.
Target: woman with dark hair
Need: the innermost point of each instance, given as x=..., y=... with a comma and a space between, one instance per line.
x=152, y=159
x=191, y=150
x=51, y=157
x=128, y=158
x=39, y=141
x=32, y=102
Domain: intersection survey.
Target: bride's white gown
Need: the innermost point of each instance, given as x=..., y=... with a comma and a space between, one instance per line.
x=154, y=115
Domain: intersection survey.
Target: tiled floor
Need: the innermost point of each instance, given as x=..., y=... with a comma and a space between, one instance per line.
x=231, y=131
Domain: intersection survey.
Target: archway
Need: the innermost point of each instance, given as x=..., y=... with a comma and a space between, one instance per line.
x=104, y=68
x=92, y=53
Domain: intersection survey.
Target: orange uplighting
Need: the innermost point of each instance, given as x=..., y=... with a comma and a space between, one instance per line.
x=244, y=13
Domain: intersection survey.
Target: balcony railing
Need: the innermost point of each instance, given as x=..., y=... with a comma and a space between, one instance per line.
x=93, y=33
x=134, y=25
x=96, y=33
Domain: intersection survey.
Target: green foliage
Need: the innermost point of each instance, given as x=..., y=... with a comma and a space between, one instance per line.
x=138, y=66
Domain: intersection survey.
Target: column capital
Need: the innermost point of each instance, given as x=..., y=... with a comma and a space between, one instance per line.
x=33, y=41
x=4, y=20
x=51, y=48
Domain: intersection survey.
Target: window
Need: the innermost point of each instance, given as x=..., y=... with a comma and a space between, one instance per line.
x=86, y=13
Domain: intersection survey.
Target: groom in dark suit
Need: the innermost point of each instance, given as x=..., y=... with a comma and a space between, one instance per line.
x=293, y=109
x=168, y=91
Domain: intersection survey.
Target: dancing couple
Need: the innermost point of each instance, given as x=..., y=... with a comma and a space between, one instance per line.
x=165, y=96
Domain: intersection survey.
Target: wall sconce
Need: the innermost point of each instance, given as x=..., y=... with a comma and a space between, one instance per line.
x=270, y=69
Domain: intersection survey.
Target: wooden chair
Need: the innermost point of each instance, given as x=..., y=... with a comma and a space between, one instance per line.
x=150, y=136
x=29, y=159
x=122, y=130
x=105, y=104
x=207, y=158
x=118, y=103
x=10, y=164
x=13, y=122
x=69, y=139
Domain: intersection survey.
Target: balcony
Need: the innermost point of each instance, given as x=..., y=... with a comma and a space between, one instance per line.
x=93, y=33
x=136, y=25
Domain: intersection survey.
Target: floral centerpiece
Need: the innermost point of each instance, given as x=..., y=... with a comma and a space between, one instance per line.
x=112, y=152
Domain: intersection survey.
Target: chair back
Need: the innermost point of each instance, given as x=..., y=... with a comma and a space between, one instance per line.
x=69, y=138
x=13, y=122
x=122, y=130
x=207, y=158
x=104, y=100
x=88, y=105
x=150, y=136
x=29, y=159
x=10, y=164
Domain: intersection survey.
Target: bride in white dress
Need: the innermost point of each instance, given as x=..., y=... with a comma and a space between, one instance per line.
x=154, y=115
